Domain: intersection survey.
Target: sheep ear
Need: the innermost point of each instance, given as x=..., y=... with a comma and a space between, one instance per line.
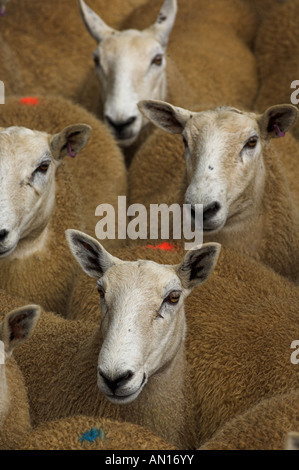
x=90, y=254
x=165, y=21
x=96, y=27
x=69, y=141
x=169, y=118
x=292, y=441
x=198, y=264
x=18, y=326
x=277, y=120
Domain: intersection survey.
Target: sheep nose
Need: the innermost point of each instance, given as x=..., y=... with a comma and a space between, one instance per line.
x=118, y=382
x=3, y=235
x=210, y=211
x=120, y=125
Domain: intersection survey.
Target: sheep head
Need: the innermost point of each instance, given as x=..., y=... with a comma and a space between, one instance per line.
x=130, y=66
x=143, y=320
x=224, y=150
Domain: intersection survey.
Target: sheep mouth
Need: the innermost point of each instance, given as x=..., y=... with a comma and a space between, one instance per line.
x=114, y=398
x=5, y=253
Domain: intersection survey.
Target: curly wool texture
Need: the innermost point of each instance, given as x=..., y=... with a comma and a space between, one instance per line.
x=88, y=433
x=263, y=427
x=58, y=59
x=95, y=176
x=277, y=50
x=157, y=175
x=216, y=49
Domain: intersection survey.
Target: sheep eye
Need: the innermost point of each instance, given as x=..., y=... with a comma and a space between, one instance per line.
x=101, y=292
x=96, y=59
x=173, y=297
x=251, y=143
x=157, y=60
x=43, y=168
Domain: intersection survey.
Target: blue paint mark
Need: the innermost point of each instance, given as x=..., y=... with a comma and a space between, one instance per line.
x=92, y=435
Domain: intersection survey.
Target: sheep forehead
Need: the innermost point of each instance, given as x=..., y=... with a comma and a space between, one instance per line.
x=128, y=44
x=23, y=145
x=224, y=127
x=141, y=280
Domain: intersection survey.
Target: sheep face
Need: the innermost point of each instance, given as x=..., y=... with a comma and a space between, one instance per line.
x=224, y=157
x=130, y=66
x=28, y=162
x=143, y=321
x=16, y=327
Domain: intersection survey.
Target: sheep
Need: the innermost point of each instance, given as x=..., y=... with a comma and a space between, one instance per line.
x=75, y=355
x=88, y=433
x=262, y=427
x=277, y=50
x=240, y=327
x=208, y=81
x=36, y=60
x=77, y=432
x=16, y=327
x=245, y=178
x=38, y=203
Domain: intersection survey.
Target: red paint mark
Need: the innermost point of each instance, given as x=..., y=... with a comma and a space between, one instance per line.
x=30, y=101
x=165, y=246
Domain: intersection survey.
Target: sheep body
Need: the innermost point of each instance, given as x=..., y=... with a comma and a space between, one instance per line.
x=262, y=427
x=88, y=433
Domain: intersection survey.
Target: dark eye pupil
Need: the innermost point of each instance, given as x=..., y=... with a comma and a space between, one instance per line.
x=173, y=297
x=251, y=143
x=43, y=168
x=158, y=59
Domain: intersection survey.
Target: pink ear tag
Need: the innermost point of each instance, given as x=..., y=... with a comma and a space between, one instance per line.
x=278, y=131
x=2, y=11
x=69, y=151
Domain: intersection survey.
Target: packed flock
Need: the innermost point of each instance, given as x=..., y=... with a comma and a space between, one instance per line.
x=120, y=343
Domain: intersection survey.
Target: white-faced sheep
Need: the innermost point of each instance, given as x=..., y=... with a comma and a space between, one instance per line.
x=40, y=198
x=76, y=432
x=277, y=50
x=265, y=426
x=73, y=367
x=240, y=331
x=41, y=53
x=203, y=35
x=16, y=327
x=235, y=165
x=240, y=327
